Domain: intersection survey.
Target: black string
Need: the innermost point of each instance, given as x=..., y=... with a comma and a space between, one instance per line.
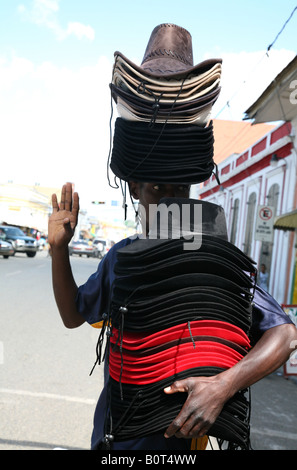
x=110, y=144
x=190, y=331
x=216, y=174
x=161, y=132
x=99, y=345
x=141, y=89
x=285, y=24
x=124, y=194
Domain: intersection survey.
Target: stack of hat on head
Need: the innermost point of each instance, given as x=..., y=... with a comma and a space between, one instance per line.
x=178, y=313
x=162, y=134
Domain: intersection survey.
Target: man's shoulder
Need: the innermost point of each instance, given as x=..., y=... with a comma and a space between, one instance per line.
x=122, y=243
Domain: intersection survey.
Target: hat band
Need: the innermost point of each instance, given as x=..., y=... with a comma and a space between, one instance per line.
x=164, y=53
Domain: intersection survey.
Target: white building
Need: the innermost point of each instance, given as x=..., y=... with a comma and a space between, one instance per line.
x=265, y=174
x=25, y=206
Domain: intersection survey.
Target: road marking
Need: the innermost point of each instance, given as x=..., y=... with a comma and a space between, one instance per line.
x=273, y=433
x=52, y=396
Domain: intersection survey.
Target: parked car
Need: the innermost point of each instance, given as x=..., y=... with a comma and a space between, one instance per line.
x=21, y=243
x=100, y=247
x=6, y=248
x=81, y=247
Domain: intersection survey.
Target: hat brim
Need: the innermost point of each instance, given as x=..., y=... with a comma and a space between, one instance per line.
x=125, y=69
x=169, y=68
x=151, y=411
x=139, y=164
x=188, y=107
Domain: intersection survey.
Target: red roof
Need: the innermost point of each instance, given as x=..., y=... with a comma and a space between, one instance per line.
x=236, y=137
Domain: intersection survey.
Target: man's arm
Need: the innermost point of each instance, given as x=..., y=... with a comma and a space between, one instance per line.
x=62, y=224
x=207, y=395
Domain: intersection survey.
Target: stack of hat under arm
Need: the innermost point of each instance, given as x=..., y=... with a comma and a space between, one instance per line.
x=163, y=132
x=178, y=313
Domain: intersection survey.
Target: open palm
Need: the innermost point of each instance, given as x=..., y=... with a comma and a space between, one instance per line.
x=64, y=218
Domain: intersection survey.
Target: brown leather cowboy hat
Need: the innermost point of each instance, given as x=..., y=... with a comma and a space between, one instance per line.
x=169, y=54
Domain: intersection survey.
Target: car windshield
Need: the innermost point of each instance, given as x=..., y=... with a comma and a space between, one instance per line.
x=96, y=242
x=13, y=232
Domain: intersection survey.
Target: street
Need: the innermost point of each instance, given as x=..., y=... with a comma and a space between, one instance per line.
x=47, y=398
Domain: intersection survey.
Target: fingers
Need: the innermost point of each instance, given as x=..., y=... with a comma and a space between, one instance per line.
x=176, y=425
x=179, y=386
x=66, y=197
x=75, y=205
x=191, y=420
x=187, y=424
x=69, y=202
x=63, y=197
x=55, y=204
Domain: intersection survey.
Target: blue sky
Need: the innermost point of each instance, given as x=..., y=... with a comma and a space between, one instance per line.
x=216, y=26
x=55, y=66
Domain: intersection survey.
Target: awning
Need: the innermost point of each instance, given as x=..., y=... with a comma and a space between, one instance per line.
x=286, y=221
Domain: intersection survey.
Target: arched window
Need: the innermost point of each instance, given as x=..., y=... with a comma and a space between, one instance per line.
x=272, y=198
x=247, y=248
x=234, y=221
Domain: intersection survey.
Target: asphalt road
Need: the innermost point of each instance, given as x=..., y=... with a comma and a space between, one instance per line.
x=47, y=398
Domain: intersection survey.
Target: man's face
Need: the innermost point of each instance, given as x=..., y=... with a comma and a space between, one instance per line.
x=151, y=193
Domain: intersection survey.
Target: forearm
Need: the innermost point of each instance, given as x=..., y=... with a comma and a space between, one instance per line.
x=270, y=352
x=65, y=288
x=207, y=395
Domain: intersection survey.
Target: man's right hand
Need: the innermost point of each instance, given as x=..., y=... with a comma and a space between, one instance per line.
x=64, y=218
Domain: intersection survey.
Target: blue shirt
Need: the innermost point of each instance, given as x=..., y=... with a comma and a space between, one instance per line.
x=92, y=301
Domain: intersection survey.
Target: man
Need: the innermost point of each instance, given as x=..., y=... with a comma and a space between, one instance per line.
x=263, y=278
x=206, y=395
x=163, y=143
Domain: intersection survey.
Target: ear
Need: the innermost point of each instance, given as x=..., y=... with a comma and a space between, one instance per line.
x=134, y=188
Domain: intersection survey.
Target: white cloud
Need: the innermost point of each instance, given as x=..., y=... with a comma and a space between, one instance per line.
x=45, y=13
x=55, y=121
x=80, y=30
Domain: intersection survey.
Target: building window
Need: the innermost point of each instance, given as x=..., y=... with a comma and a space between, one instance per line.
x=234, y=222
x=250, y=224
x=266, y=248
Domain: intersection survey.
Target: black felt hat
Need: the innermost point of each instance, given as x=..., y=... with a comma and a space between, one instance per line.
x=162, y=153
x=147, y=410
x=159, y=282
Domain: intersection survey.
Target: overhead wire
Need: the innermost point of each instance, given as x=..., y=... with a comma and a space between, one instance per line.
x=283, y=27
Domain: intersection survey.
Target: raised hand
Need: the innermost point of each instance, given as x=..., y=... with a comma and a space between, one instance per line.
x=64, y=218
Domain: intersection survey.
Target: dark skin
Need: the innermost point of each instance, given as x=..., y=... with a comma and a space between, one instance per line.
x=206, y=395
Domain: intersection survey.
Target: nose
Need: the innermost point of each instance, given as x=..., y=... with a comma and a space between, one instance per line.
x=170, y=190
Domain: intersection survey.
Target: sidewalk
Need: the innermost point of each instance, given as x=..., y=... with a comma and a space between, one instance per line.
x=274, y=413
